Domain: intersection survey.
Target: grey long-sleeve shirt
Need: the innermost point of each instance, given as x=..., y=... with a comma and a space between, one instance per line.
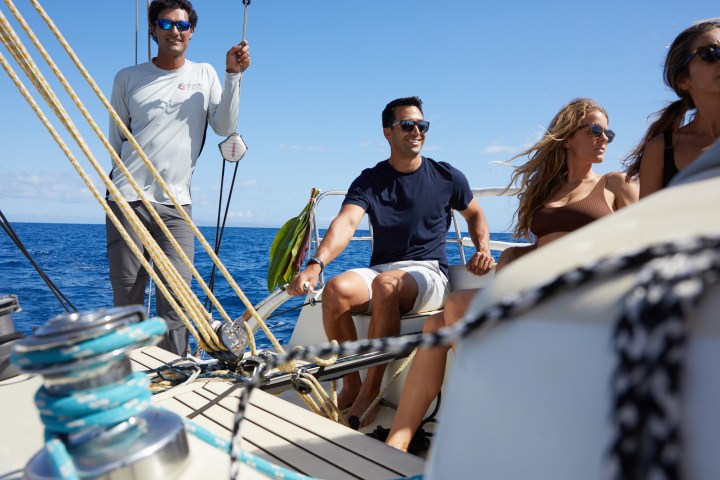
x=168, y=111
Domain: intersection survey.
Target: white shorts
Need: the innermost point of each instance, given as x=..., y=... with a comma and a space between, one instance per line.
x=433, y=285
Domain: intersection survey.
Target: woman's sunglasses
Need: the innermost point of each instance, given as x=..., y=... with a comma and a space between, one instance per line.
x=597, y=131
x=407, y=126
x=165, y=24
x=708, y=54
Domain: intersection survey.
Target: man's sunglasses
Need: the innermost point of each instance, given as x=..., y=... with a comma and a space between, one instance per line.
x=708, y=54
x=597, y=131
x=408, y=125
x=164, y=24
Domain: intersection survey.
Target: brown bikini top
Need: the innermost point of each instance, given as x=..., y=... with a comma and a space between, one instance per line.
x=574, y=215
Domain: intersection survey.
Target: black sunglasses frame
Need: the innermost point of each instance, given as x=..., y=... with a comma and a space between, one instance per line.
x=707, y=54
x=181, y=25
x=407, y=126
x=597, y=131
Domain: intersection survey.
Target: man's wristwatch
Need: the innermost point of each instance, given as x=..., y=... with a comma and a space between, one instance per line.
x=315, y=260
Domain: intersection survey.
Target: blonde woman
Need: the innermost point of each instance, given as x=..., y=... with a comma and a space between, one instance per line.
x=560, y=192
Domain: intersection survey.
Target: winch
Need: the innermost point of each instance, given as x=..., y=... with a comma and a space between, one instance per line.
x=93, y=404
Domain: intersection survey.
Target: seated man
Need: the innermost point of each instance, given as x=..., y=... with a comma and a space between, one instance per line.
x=408, y=199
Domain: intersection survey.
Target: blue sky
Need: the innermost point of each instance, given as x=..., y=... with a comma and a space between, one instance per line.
x=491, y=75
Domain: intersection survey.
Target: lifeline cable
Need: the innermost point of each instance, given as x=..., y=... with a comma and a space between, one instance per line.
x=511, y=305
x=66, y=304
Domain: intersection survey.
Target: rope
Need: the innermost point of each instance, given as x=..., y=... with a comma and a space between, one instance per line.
x=177, y=284
x=650, y=341
x=259, y=464
x=64, y=301
x=380, y=395
x=38, y=80
x=511, y=305
x=102, y=407
x=185, y=295
x=205, y=328
x=220, y=230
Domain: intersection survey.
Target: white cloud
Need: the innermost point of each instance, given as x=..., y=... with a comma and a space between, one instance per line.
x=498, y=148
x=55, y=187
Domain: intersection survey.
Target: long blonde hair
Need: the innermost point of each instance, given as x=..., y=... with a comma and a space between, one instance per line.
x=546, y=170
x=671, y=117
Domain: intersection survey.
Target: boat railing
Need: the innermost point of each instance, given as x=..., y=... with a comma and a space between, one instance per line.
x=459, y=238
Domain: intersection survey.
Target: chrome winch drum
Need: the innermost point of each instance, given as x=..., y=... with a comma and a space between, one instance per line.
x=150, y=444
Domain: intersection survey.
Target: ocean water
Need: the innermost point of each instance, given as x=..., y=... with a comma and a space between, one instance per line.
x=74, y=258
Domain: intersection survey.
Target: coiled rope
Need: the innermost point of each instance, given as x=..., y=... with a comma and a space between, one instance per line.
x=101, y=407
x=105, y=407
x=702, y=273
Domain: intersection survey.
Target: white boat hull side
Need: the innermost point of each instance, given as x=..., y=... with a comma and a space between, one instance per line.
x=530, y=398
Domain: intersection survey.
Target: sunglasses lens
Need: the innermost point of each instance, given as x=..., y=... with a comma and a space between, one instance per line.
x=166, y=24
x=597, y=131
x=407, y=125
x=709, y=54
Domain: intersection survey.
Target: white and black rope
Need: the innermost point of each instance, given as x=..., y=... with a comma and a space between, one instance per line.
x=508, y=307
x=650, y=341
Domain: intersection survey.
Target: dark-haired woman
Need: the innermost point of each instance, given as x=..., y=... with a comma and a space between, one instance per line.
x=692, y=70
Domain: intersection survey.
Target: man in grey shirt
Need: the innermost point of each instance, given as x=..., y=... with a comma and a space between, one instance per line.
x=166, y=104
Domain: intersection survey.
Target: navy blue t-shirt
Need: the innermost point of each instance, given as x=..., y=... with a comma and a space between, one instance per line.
x=410, y=212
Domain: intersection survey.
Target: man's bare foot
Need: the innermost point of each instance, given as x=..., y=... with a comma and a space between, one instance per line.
x=358, y=409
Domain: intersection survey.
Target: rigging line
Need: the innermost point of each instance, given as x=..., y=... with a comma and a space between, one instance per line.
x=53, y=288
x=218, y=229
x=282, y=312
x=22, y=57
x=149, y=45
x=211, y=283
x=201, y=314
x=246, y=3
x=137, y=28
x=507, y=307
x=221, y=228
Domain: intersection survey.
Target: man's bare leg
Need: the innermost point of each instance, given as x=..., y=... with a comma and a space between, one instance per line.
x=393, y=293
x=342, y=295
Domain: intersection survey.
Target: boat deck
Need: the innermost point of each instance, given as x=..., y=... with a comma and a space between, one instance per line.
x=274, y=429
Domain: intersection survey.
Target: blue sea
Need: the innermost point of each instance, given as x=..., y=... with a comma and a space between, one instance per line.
x=74, y=258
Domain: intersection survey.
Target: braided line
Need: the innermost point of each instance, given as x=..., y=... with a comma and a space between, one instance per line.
x=650, y=341
x=510, y=306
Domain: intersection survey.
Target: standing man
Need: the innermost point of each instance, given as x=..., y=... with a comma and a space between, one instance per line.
x=166, y=104
x=408, y=199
